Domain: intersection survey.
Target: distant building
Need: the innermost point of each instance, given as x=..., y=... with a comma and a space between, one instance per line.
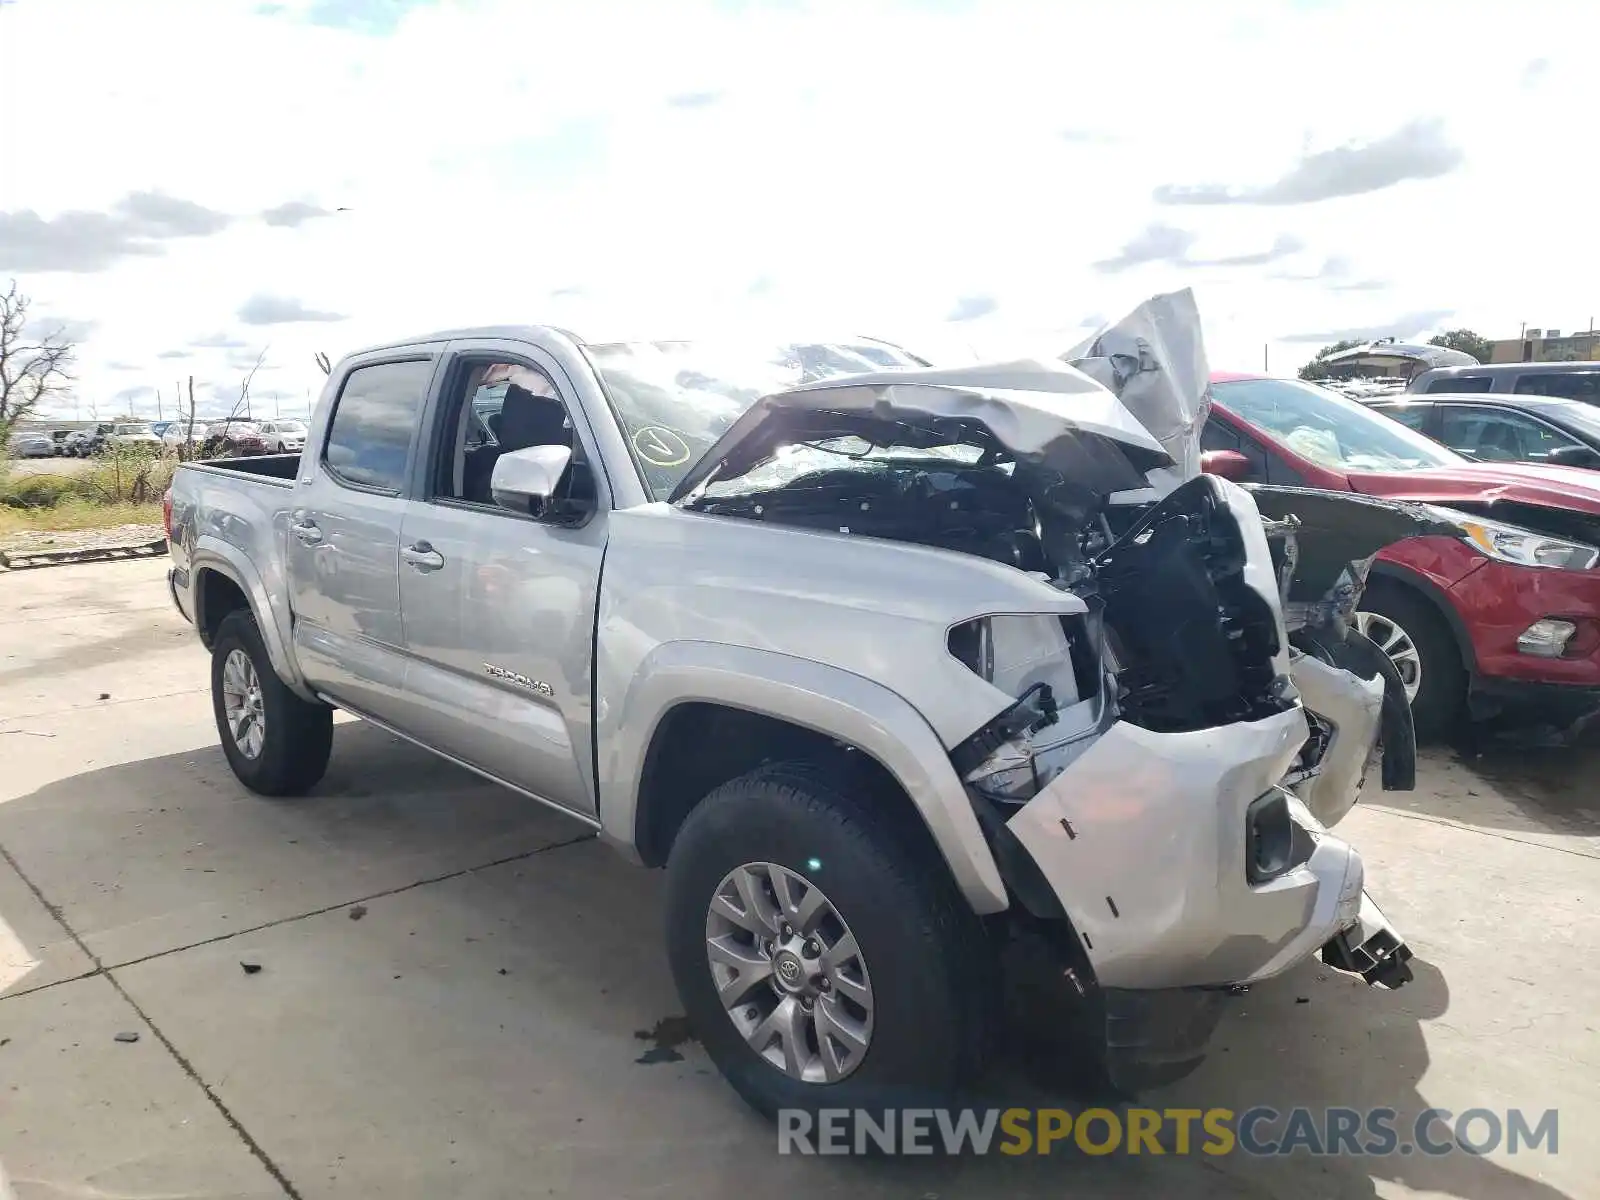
x=1548, y=345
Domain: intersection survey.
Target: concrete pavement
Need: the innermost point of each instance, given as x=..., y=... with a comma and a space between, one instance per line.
x=456, y=988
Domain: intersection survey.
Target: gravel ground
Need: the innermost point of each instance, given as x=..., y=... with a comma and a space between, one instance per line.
x=32, y=541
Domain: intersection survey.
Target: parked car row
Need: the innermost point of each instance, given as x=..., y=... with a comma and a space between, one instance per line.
x=233, y=437
x=1501, y=622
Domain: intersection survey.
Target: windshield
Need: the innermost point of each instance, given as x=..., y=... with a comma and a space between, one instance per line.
x=132, y=430
x=675, y=399
x=1328, y=429
x=291, y=426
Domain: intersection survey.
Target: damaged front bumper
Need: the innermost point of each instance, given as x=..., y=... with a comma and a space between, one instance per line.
x=1180, y=861
x=1185, y=870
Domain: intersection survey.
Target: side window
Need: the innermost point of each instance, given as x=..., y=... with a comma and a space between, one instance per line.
x=1496, y=435
x=369, y=441
x=1412, y=416
x=492, y=409
x=1568, y=385
x=1460, y=383
x=1217, y=435
x=1214, y=435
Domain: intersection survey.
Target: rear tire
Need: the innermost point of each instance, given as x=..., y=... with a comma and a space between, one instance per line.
x=1441, y=696
x=276, y=743
x=931, y=973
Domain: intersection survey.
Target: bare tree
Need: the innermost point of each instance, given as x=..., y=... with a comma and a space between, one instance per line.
x=34, y=369
x=323, y=364
x=240, y=412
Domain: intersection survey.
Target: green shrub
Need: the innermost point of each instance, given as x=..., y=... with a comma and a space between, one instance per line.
x=35, y=491
x=120, y=476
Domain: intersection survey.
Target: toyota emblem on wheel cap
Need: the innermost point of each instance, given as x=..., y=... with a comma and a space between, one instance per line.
x=789, y=970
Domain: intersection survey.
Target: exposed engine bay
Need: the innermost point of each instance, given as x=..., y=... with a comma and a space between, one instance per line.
x=1193, y=645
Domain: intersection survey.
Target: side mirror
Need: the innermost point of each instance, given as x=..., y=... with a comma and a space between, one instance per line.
x=1573, y=456
x=524, y=480
x=1229, y=464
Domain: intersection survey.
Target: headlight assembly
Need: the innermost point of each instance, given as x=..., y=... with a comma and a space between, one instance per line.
x=1523, y=547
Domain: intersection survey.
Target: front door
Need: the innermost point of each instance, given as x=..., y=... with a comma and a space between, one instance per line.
x=499, y=607
x=343, y=539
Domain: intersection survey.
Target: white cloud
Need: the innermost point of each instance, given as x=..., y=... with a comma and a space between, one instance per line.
x=882, y=165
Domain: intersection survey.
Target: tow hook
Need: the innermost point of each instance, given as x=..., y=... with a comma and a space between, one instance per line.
x=1370, y=948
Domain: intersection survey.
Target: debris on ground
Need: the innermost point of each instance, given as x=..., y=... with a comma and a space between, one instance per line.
x=358, y=912
x=127, y=1035
x=668, y=1034
x=250, y=968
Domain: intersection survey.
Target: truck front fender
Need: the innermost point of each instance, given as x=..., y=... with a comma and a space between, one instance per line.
x=272, y=619
x=824, y=699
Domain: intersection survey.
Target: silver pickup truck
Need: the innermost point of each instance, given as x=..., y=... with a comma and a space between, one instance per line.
x=893, y=668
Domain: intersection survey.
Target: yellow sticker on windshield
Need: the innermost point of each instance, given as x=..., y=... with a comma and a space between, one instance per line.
x=661, y=447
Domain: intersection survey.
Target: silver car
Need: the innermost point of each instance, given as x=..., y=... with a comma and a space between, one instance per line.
x=32, y=445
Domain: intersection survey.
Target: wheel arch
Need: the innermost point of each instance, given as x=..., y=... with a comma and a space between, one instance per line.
x=221, y=574
x=684, y=690
x=1398, y=576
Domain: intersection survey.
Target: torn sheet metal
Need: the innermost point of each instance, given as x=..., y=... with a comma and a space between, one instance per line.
x=1154, y=361
x=1042, y=412
x=1337, y=535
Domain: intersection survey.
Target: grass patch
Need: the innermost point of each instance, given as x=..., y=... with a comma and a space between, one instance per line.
x=120, y=488
x=74, y=512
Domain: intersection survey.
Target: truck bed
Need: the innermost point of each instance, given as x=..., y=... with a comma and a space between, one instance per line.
x=278, y=468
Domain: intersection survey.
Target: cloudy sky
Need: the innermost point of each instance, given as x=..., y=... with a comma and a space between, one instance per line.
x=188, y=184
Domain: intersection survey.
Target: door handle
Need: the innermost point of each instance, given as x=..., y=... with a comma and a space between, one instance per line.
x=422, y=556
x=307, y=531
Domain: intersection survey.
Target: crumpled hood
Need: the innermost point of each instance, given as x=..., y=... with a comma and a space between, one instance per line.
x=1154, y=361
x=1042, y=411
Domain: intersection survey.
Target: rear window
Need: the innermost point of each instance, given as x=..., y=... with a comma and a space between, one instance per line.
x=1568, y=385
x=369, y=442
x=1459, y=383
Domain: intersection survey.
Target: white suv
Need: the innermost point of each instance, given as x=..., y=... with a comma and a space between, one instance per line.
x=283, y=437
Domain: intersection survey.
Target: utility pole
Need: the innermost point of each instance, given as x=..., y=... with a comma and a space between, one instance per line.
x=1266, y=358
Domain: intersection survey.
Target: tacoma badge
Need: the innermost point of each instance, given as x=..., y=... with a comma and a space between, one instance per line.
x=522, y=681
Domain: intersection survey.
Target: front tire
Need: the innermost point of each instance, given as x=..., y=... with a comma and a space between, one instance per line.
x=823, y=957
x=276, y=743
x=1410, y=631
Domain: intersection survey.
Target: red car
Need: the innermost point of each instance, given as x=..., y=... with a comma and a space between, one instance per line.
x=1501, y=622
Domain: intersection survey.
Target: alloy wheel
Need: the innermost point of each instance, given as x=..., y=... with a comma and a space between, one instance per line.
x=241, y=703
x=789, y=972
x=1397, y=644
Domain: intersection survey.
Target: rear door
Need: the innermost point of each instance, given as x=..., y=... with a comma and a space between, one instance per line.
x=343, y=535
x=499, y=607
